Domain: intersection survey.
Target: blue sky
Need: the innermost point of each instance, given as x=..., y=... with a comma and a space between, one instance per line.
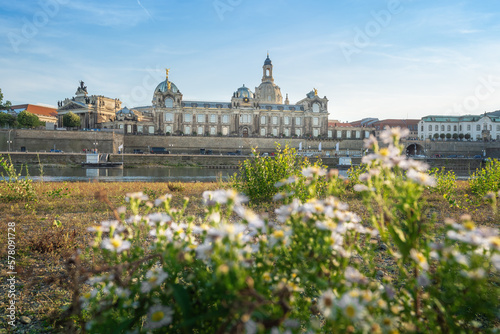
x=385, y=59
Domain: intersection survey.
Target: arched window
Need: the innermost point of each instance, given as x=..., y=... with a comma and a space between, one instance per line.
x=436, y=128
x=315, y=107
x=448, y=127
x=169, y=103
x=442, y=127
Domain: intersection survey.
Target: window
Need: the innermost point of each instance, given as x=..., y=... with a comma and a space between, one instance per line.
x=275, y=120
x=498, y=127
x=187, y=130
x=315, y=121
x=225, y=119
x=330, y=133
x=188, y=118
x=151, y=129
x=286, y=120
x=348, y=134
x=169, y=103
x=212, y=130
x=121, y=126
x=139, y=128
x=169, y=117
x=448, y=128
x=454, y=128
x=358, y=134
x=287, y=132
x=200, y=118
x=168, y=128
x=436, y=128
x=298, y=132
x=244, y=118
x=213, y=118
x=339, y=133
x=225, y=130
x=315, y=132
x=430, y=127
x=442, y=127
x=129, y=128
x=468, y=127
x=367, y=134
x=275, y=132
x=262, y=119
x=262, y=132
x=315, y=107
x=478, y=127
x=298, y=121
x=460, y=127
x=200, y=130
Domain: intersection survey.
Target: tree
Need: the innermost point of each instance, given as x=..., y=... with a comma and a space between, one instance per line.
x=436, y=135
x=448, y=135
x=442, y=136
x=28, y=120
x=455, y=136
x=4, y=105
x=8, y=119
x=467, y=136
x=461, y=136
x=71, y=120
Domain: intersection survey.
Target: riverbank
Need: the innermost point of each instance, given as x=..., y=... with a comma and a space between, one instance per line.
x=205, y=161
x=56, y=223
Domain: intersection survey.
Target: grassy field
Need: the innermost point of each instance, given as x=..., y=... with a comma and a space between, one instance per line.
x=50, y=230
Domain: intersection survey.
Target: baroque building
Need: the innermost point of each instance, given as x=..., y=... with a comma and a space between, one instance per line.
x=93, y=110
x=484, y=127
x=258, y=114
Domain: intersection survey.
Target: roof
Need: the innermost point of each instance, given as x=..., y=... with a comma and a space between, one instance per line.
x=336, y=124
x=36, y=109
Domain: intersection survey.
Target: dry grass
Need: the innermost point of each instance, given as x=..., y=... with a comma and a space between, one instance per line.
x=42, y=248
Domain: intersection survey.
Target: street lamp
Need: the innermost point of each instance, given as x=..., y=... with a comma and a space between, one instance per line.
x=95, y=146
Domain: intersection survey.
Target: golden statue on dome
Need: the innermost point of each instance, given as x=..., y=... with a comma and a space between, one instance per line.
x=315, y=92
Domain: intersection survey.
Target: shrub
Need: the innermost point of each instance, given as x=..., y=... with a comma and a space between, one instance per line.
x=312, y=269
x=486, y=179
x=445, y=181
x=14, y=186
x=262, y=177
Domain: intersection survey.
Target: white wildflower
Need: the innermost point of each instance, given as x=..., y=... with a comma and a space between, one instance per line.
x=158, y=316
x=154, y=278
x=420, y=259
x=115, y=244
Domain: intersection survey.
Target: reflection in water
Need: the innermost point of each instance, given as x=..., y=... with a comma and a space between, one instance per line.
x=144, y=174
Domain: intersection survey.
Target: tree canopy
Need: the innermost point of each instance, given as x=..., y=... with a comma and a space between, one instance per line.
x=8, y=119
x=71, y=120
x=3, y=105
x=28, y=120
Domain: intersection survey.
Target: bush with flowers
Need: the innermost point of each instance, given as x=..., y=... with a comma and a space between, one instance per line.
x=313, y=267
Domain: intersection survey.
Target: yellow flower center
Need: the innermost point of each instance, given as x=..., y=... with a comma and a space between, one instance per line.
x=469, y=225
x=279, y=234
x=157, y=316
x=153, y=279
x=495, y=241
x=328, y=301
x=87, y=295
x=350, y=311
x=384, y=152
x=116, y=242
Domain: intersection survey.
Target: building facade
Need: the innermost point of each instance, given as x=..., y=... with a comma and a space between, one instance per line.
x=484, y=127
x=45, y=114
x=93, y=110
x=261, y=113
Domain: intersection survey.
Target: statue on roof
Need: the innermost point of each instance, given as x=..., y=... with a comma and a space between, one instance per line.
x=315, y=92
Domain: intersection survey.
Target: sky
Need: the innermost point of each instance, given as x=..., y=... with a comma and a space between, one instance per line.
x=370, y=58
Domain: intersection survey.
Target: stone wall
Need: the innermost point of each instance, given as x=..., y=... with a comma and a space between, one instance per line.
x=67, y=141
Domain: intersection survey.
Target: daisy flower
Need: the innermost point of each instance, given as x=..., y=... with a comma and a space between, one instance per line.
x=159, y=316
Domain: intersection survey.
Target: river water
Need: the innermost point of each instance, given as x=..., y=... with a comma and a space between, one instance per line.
x=142, y=174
